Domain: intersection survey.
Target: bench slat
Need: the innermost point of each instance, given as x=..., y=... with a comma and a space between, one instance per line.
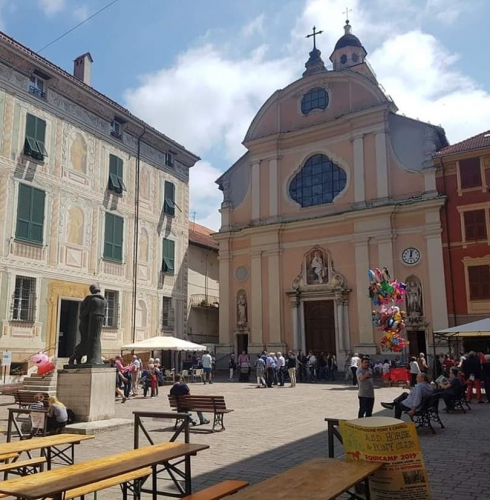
x=8, y=456
x=107, y=483
x=218, y=491
x=24, y=463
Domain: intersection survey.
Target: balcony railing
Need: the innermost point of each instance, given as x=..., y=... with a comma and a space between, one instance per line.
x=201, y=300
x=36, y=91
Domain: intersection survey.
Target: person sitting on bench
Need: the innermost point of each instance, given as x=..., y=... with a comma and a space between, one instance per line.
x=57, y=415
x=411, y=402
x=450, y=389
x=182, y=389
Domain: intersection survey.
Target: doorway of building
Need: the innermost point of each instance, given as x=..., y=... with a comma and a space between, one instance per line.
x=241, y=343
x=68, y=334
x=320, y=326
x=418, y=343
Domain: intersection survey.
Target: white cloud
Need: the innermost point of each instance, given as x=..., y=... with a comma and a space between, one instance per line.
x=81, y=13
x=254, y=27
x=207, y=99
x=51, y=7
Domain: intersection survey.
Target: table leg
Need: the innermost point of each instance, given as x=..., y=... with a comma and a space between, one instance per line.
x=188, y=477
x=47, y=453
x=154, y=482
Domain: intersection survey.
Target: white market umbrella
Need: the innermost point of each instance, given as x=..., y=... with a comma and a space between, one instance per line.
x=163, y=343
x=475, y=329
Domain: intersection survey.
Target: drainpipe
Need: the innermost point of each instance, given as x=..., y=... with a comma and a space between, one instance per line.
x=446, y=212
x=136, y=235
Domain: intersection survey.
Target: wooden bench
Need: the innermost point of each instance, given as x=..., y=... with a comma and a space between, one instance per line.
x=325, y=478
x=209, y=404
x=23, y=467
x=218, y=491
x=25, y=398
x=8, y=456
x=10, y=389
x=138, y=476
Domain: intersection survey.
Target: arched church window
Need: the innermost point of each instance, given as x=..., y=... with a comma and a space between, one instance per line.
x=316, y=98
x=318, y=182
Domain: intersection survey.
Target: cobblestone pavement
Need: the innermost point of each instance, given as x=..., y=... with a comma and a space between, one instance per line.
x=274, y=429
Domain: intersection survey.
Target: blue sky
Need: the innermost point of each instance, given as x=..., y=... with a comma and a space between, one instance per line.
x=200, y=69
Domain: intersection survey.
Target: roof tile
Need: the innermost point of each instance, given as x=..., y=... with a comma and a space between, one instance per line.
x=201, y=235
x=476, y=142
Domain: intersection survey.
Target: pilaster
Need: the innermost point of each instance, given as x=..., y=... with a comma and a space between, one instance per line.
x=381, y=165
x=225, y=332
x=385, y=252
x=361, y=247
x=273, y=188
x=55, y=229
x=256, y=191
x=359, y=187
x=256, y=298
x=275, y=324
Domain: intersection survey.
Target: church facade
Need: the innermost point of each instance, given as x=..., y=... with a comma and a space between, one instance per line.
x=334, y=183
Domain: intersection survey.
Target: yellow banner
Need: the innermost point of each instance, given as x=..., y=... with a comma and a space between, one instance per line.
x=394, y=443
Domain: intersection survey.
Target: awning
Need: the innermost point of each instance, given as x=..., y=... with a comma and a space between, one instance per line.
x=475, y=329
x=163, y=343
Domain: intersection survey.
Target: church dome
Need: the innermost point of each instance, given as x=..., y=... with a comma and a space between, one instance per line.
x=348, y=40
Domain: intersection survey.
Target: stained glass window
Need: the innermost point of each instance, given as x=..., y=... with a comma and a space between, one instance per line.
x=316, y=98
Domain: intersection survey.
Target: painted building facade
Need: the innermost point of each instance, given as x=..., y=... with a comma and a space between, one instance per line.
x=203, y=286
x=90, y=194
x=334, y=182
x=463, y=175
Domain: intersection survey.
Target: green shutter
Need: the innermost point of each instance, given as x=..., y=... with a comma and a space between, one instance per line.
x=40, y=130
x=116, y=182
x=113, y=237
x=113, y=164
x=23, y=212
x=31, y=126
x=118, y=238
x=168, y=265
x=169, y=202
x=37, y=215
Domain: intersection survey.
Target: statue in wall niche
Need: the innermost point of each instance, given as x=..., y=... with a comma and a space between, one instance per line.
x=92, y=312
x=78, y=154
x=318, y=268
x=242, y=310
x=414, y=297
x=75, y=226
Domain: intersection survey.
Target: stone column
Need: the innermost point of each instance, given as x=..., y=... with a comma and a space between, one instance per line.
x=345, y=308
x=436, y=279
x=381, y=165
x=53, y=242
x=361, y=246
x=225, y=330
x=275, y=290
x=359, y=185
x=256, y=191
x=294, y=303
x=273, y=188
x=256, y=298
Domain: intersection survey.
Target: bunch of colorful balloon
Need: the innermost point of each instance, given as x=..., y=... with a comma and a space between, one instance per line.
x=386, y=292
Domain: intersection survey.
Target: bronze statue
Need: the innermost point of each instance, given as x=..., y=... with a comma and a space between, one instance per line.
x=92, y=312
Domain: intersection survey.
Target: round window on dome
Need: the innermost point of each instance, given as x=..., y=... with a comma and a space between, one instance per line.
x=355, y=58
x=316, y=98
x=343, y=59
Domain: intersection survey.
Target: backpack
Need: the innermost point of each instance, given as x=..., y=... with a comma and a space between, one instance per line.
x=71, y=416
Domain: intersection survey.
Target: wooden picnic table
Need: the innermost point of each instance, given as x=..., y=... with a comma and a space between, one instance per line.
x=54, y=483
x=60, y=446
x=317, y=479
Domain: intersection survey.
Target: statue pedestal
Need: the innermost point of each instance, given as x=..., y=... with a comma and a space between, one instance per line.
x=89, y=392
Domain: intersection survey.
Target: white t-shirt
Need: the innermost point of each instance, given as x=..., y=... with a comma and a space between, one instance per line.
x=414, y=367
x=386, y=368
x=207, y=361
x=354, y=361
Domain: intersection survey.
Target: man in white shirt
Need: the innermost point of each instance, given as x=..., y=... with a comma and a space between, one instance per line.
x=207, y=365
x=354, y=365
x=280, y=363
x=135, y=378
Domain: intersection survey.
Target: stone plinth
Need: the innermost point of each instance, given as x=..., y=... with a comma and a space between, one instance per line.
x=89, y=392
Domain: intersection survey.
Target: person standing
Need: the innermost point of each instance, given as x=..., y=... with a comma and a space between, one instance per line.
x=280, y=367
x=260, y=370
x=365, y=378
x=485, y=369
x=414, y=371
x=472, y=372
x=207, y=366
x=136, y=374
x=422, y=362
x=269, y=369
x=232, y=365
x=354, y=365
x=292, y=361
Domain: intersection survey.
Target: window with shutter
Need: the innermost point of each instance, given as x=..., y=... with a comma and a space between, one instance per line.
x=167, y=313
x=30, y=214
x=479, y=282
x=24, y=299
x=34, y=145
x=475, y=225
x=168, y=260
x=112, y=309
x=169, y=194
x=113, y=237
x=470, y=173
x=116, y=178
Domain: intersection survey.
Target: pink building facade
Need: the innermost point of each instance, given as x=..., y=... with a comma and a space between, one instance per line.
x=334, y=182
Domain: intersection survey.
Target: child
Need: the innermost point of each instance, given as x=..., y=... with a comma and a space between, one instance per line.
x=37, y=419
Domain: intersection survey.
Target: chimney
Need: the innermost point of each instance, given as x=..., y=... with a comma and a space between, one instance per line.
x=82, y=68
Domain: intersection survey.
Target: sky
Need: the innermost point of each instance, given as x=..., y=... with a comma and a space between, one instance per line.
x=199, y=70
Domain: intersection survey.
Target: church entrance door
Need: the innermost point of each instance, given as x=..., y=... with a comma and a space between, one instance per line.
x=320, y=326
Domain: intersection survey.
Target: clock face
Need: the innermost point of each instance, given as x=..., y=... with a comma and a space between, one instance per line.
x=411, y=256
